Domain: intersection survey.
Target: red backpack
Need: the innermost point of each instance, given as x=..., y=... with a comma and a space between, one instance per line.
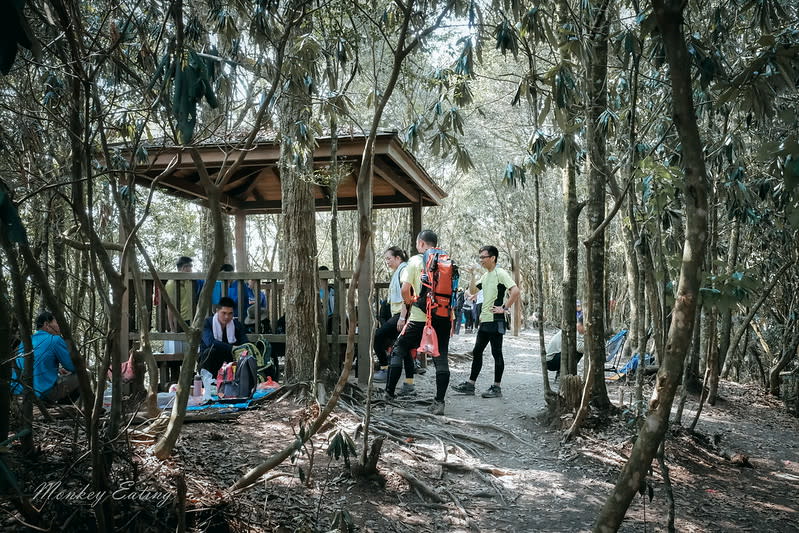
x=224, y=380
x=439, y=284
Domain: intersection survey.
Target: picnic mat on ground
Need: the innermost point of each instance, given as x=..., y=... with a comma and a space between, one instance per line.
x=230, y=404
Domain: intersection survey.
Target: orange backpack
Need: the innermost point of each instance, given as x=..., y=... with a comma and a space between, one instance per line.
x=439, y=284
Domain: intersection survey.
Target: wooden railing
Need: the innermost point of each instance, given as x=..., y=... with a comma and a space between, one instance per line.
x=269, y=284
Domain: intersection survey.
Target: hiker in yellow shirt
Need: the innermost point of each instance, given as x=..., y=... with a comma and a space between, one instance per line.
x=412, y=333
x=495, y=283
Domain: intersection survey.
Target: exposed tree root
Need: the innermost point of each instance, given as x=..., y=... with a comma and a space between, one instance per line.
x=494, y=471
x=420, y=486
x=457, y=421
x=457, y=503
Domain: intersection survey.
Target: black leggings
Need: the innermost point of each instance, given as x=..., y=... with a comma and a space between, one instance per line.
x=385, y=337
x=480, y=344
x=409, y=340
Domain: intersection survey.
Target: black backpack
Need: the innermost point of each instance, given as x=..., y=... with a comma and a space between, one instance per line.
x=246, y=379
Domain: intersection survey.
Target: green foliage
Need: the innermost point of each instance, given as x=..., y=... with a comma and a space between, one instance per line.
x=726, y=291
x=342, y=522
x=536, y=26
x=506, y=38
x=564, y=84
x=514, y=176
x=464, y=65
x=341, y=445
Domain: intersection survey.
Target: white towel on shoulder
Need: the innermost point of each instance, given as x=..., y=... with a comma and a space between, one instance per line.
x=230, y=330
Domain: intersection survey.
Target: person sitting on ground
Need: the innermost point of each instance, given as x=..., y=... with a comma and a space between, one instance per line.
x=221, y=332
x=54, y=377
x=554, y=348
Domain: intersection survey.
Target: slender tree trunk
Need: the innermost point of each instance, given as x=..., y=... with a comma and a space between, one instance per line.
x=713, y=347
x=751, y=314
x=597, y=181
x=23, y=319
x=568, y=361
x=726, y=315
x=166, y=444
x=787, y=355
x=669, y=17
x=692, y=382
x=549, y=396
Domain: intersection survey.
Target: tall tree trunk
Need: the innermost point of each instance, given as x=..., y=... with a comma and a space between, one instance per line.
x=166, y=444
x=713, y=347
x=597, y=181
x=23, y=319
x=633, y=475
x=299, y=213
x=692, y=380
x=568, y=361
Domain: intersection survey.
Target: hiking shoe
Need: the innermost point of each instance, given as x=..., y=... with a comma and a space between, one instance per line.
x=380, y=376
x=494, y=391
x=388, y=397
x=467, y=387
x=418, y=368
x=407, y=389
x=436, y=408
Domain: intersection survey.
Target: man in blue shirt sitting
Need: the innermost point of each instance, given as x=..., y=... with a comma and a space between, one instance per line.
x=49, y=352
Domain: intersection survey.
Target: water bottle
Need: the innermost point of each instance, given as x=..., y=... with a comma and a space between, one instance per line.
x=197, y=390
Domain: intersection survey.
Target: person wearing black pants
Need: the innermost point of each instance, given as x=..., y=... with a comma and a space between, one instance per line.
x=494, y=284
x=411, y=335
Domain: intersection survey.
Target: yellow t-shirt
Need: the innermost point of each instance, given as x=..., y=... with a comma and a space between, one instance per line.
x=413, y=274
x=184, y=305
x=490, y=283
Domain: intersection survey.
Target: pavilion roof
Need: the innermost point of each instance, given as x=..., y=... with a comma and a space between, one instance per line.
x=399, y=180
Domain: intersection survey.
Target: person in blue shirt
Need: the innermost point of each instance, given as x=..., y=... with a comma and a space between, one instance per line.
x=54, y=376
x=328, y=296
x=249, y=291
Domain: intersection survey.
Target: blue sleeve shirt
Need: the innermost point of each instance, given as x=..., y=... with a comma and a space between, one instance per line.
x=49, y=351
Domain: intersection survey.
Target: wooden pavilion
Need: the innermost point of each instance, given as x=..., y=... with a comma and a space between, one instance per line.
x=399, y=181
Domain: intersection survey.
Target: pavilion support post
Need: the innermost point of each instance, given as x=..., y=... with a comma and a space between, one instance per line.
x=365, y=318
x=416, y=226
x=240, y=239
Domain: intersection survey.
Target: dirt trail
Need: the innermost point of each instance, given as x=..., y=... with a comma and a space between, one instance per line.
x=517, y=476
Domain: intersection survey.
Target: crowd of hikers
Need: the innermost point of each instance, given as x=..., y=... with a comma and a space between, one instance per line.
x=425, y=307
